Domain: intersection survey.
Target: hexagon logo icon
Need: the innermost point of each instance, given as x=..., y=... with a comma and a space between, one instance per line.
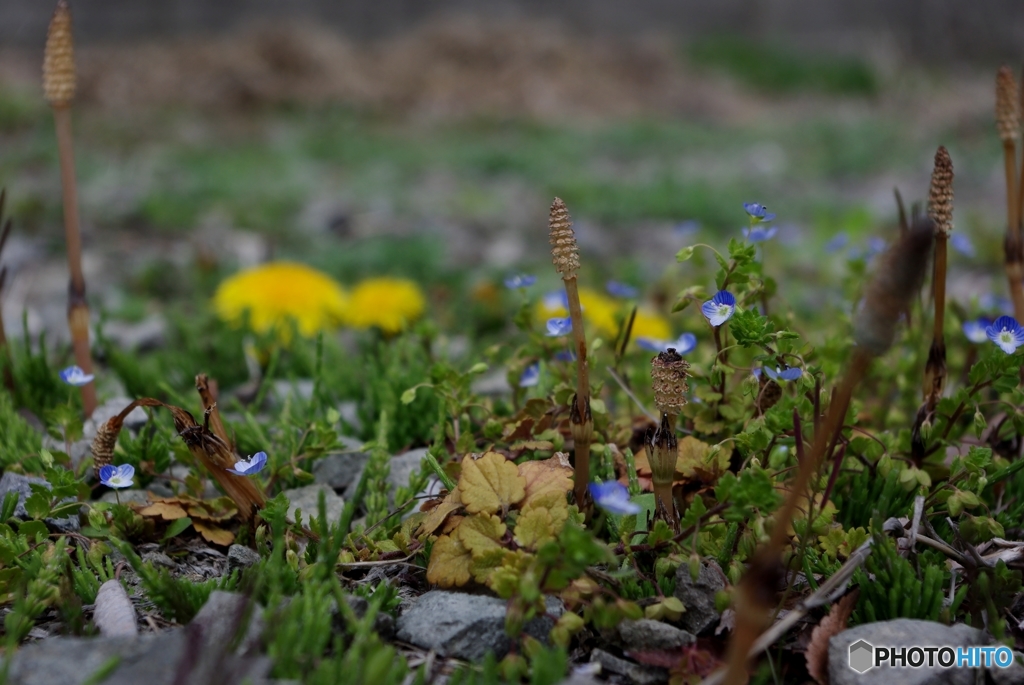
x=862, y=656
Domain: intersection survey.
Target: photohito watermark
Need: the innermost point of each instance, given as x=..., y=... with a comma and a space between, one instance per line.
x=864, y=656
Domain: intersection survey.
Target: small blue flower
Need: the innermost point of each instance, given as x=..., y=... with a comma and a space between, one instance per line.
x=565, y=356
x=250, y=466
x=556, y=299
x=759, y=234
x=685, y=343
x=685, y=229
x=990, y=302
x=559, y=326
x=837, y=243
x=975, y=330
x=787, y=374
x=719, y=308
x=531, y=376
x=1007, y=333
x=962, y=244
x=74, y=375
x=117, y=476
x=520, y=281
x=876, y=246
x=758, y=212
x=616, y=289
x=613, y=497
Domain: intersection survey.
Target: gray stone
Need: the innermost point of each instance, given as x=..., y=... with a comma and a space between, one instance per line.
x=339, y=470
x=640, y=674
x=383, y=623
x=284, y=389
x=698, y=597
x=135, y=420
x=648, y=634
x=494, y=382
x=137, y=336
x=158, y=558
x=228, y=616
x=114, y=614
x=155, y=659
x=349, y=412
x=307, y=500
x=403, y=466
x=15, y=482
x=241, y=557
x=903, y=632
x=463, y=626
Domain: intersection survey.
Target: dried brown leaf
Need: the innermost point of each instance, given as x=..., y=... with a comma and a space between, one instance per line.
x=211, y=533
x=833, y=624
x=552, y=474
x=165, y=510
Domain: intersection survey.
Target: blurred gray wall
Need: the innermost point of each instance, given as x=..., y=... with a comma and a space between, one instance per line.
x=923, y=30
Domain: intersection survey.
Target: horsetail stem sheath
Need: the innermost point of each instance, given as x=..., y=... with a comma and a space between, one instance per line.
x=1008, y=125
x=59, y=89
x=896, y=281
x=669, y=372
x=566, y=258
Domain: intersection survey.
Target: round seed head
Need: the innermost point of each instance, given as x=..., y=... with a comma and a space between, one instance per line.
x=104, y=442
x=669, y=372
x=59, y=58
x=1007, y=105
x=940, y=195
x=565, y=254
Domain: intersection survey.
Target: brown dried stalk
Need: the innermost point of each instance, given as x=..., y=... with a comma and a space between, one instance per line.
x=217, y=457
x=5, y=230
x=1008, y=124
x=208, y=394
x=897, y=280
x=59, y=89
x=106, y=435
x=566, y=258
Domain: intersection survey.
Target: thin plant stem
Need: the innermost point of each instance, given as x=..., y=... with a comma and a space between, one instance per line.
x=78, y=309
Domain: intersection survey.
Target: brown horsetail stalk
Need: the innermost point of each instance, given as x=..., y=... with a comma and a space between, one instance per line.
x=890, y=291
x=1008, y=124
x=565, y=255
x=669, y=372
x=940, y=211
x=59, y=89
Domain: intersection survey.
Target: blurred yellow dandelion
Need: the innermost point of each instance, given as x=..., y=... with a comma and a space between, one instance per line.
x=650, y=324
x=278, y=293
x=389, y=304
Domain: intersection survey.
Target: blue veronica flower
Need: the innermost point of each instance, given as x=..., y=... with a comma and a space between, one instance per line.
x=998, y=303
x=962, y=244
x=556, y=299
x=74, y=375
x=685, y=229
x=565, y=355
x=1007, y=333
x=759, y=234
x=719, y=308
x=117, y=476
x=788, y=374
x=876, y=246
x=531, y=376
x=623, y=290
x=975, y=330
x=613, y=497
x=520, y=281
x=684, y=344
x=559, y=326
x=250, y=466
x=758, y=212
x=837, y=243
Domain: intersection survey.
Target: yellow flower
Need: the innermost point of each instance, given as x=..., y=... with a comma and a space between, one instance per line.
x=389, y=304
x=279, y=292
x=650, y=324
x=599, y=311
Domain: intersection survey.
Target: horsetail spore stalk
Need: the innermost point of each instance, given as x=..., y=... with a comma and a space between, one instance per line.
x=59, y=89
x=940, y=211
x=1008, y=124
x=565, y=255
x=669, y=372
